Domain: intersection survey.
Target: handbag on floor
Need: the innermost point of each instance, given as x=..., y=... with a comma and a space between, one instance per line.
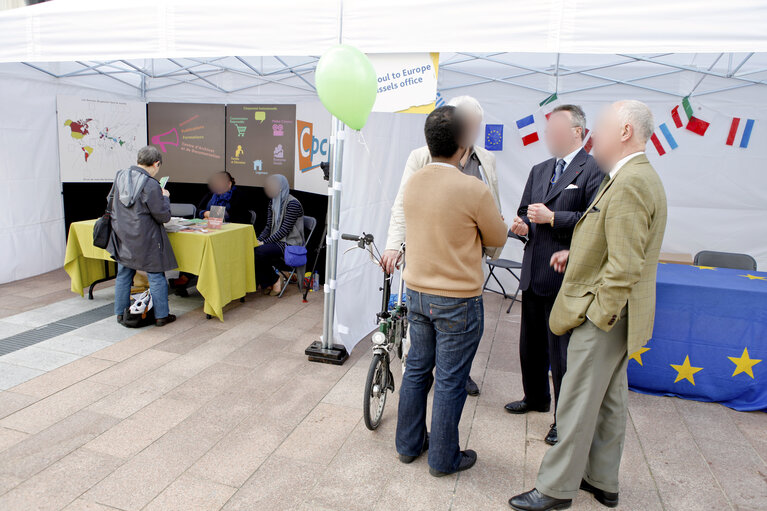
x=140, y=313
x=102, y=229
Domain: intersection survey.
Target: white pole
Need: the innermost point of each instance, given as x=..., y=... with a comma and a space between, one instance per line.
x=334, y=213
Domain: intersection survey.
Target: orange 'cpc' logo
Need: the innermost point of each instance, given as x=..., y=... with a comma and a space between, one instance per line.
x=308, y=146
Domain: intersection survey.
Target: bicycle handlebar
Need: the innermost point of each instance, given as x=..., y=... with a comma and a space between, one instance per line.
x=365, y=238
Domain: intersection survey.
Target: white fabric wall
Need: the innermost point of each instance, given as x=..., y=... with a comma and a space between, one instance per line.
x=32, y=238
x=717, y=195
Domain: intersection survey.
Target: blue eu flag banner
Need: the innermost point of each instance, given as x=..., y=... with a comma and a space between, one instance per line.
x=494, y=137
x=708, y=341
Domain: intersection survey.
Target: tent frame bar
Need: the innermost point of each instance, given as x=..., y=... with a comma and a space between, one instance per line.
x=200, y=71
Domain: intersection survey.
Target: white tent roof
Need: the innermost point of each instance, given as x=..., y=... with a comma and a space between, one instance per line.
x=71, y=30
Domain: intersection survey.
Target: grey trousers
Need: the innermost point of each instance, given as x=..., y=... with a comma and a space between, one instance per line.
x=591, y=416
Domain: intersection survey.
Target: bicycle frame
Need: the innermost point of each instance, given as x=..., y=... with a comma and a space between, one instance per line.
x=392, y=328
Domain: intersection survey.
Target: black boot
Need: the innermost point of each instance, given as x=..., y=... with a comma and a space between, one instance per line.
x=472, y=388
x=552, y=438
x=603, y=497
x=537, y=501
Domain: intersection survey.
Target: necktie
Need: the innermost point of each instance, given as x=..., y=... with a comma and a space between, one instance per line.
x=560, y=166
x=558, y=171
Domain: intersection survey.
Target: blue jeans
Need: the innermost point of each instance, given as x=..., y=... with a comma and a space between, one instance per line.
x=158, y=286
x=444, y=332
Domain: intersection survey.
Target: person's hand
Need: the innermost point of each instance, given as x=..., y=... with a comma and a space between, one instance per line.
x=389, y=260
x=559, y=260
x=206, y=214
x=519, y=227
x=166, y=192
x=538, y=213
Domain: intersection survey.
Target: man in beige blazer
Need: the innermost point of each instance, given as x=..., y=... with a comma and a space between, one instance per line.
x=476, y=161
x=607, y=300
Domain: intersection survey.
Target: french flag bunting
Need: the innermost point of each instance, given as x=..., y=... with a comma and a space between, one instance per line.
x=743, y=129
x=527, y=131
x=668, y=140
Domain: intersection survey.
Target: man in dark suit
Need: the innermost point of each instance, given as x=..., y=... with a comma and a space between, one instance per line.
x=557, y=193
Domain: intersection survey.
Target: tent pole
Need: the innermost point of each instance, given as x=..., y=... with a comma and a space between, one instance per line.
x=325, y=350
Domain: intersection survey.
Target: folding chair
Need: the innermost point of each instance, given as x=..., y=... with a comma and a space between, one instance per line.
x=310, y=223
x=508, y=265
x=725, y=260
x=183, y=210
x=252, y=217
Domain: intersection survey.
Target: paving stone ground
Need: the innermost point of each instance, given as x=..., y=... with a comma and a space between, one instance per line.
x=203, y=415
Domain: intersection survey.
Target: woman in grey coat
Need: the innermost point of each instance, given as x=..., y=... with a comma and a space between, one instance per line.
x=138, y=241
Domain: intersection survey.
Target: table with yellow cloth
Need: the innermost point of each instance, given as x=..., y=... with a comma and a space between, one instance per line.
x=222, y=260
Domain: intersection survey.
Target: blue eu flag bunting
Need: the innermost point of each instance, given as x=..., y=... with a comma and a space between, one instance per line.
x=494, y=137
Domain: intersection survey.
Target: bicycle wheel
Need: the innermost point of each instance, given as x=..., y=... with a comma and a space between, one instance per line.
x=375, y=391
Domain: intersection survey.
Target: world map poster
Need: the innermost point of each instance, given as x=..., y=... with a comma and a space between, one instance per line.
x=98, y=137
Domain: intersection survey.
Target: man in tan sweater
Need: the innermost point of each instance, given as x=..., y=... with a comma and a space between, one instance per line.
x=449, y=217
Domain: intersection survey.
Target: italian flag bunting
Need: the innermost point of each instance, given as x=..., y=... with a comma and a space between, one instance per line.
x=694, y=124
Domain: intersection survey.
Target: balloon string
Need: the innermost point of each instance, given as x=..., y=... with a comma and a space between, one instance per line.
x=361, y=140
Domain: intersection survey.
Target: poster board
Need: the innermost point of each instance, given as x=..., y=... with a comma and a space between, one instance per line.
x=312, y=146
x=98, y=137
x=190, y=137
x=260, y=141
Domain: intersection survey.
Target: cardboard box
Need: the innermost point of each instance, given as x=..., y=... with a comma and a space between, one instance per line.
x=672, y=258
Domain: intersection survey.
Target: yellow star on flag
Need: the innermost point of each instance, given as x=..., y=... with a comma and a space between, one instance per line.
x=744, y=364
x=685, y=371
x=637, y=355
x=753, y=277
x=706, y=267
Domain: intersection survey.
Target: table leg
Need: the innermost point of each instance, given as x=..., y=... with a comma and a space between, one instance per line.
x=106, y=272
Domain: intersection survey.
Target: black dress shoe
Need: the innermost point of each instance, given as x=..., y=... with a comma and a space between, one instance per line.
x=520, y=407
x=552, y=438
x=468, y=459
x=410, y=459
x=170, y=318
x=471, y=387
x=537, y=501
x=120, y=318
x=603, y=497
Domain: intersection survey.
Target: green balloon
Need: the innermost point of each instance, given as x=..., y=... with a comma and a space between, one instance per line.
x=346, y=84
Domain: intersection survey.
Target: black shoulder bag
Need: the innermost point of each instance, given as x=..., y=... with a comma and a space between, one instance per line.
x=102, y=229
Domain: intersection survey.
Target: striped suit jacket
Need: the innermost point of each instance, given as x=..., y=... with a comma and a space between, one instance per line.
x=568, y=198
x=614, y=254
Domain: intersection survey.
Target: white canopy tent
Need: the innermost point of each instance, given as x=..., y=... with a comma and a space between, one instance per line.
x=508, y=54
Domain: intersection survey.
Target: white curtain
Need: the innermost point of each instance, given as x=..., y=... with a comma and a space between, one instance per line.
x=32, y=237
x=372, y=169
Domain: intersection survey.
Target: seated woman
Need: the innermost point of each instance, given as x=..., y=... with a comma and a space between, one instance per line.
x=224, y=193
x=284, y=226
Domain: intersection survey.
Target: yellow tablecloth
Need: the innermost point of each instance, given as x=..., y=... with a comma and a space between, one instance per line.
x=222, y=260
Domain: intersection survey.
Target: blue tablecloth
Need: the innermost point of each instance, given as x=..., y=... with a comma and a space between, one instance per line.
x=710, y=338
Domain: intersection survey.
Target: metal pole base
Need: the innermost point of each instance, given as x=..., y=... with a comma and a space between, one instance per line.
x=335, y=355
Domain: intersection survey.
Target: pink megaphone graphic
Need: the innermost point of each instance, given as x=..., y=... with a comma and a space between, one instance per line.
x=158, y=140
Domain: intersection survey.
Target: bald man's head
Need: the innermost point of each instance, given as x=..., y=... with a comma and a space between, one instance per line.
x=623, y=128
